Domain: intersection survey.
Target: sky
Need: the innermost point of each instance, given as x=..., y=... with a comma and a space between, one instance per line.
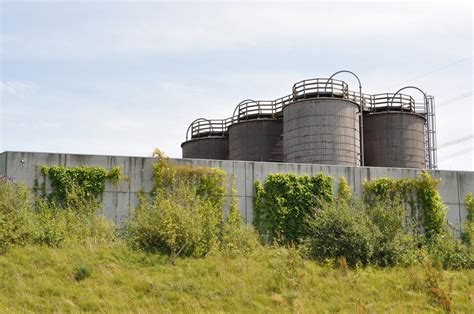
x=126, y=77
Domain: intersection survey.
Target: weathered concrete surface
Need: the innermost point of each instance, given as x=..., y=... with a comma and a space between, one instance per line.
x=254, y=140
x=214, y=147
x=394, y=139
x=120, y=199
x=322, y=131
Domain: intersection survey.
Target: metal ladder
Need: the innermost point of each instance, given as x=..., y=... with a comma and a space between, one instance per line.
x=430, y=134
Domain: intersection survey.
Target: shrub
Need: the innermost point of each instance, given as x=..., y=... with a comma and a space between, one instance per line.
x=344, y=191
x=342, y=230
x=82, y=272
x=237, y=238
x=14, y=214
x=392, y=238
x=78, y=223
x=419, y=195
x=284, y=201
x=448, y=251
x=468, y=227
x=185, y=216
x=177, y=223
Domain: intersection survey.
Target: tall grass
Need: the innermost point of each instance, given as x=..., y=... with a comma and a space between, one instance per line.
x=120, y=279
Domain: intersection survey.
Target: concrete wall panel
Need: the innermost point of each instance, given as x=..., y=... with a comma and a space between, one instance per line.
x=120, y=199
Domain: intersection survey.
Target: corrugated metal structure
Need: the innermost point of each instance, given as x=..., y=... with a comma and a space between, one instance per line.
x=323, y=122
x=321, y=125
x=255, y=132
x=206, y=139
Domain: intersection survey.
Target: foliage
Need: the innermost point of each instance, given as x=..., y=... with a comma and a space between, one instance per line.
x=185, y=216
x=449, y=252
x=175, y=225
x=468, y=228
x=90, y=179
x=82, y=272
x=340, y=230
x=40, y=279
x=344, y=191
x=421, y=195
x=209, y=182
x=76, y=224
x=393, y=237
x=282, y=204
x=237, y=238
x=42, y=222
x=14, y=206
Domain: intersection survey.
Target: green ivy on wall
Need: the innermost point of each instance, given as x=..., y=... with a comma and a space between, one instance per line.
x=208, y=182
x=283, y=202
x=420, y=194
x=89, y=180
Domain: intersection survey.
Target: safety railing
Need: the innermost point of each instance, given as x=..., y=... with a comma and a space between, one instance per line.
x=320, y=87
x=281, y=102
x=387, y=102
x=208, y=127
x=251, y=109
x=312, y=88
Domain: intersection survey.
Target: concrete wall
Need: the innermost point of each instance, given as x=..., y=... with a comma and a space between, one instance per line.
x=120, y=199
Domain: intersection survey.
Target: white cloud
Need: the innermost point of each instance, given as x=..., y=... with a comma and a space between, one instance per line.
x=189, y=29
x=16, y=87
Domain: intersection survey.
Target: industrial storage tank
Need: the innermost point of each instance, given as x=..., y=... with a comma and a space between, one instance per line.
x=255, y=133
x=394, y=133
x=321, y=125
x=207, y=139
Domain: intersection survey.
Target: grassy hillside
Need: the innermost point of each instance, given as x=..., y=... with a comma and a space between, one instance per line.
x=42, y=279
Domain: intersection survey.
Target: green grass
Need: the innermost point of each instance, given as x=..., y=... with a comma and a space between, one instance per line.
x=42, y=279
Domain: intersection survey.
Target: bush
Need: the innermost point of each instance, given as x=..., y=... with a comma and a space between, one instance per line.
x=392, y=236
x=419, y=195
x=448, y=251
x=342, y=230
x=237, y=238
x=284, y=201
x=14, y=214
x=185, y=216
x=82, y=272
x=178, y=223
x=77, y=223
x=468, y=227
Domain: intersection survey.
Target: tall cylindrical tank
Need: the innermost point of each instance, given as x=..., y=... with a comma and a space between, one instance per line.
x=394, y=139
x=322, y=131
x=213, y=147
x=256, y=140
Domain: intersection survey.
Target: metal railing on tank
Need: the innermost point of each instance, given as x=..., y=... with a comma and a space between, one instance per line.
x=392, y=102
x=253, y=109
x=207, y=127
x=320, y=87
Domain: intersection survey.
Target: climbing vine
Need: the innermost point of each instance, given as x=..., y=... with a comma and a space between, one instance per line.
x=420, y=195
x=208, y=182
x=283, y=202
x=468, y=228
x=89, y=180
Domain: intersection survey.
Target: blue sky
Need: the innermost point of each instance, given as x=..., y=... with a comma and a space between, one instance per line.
x=117, y=77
